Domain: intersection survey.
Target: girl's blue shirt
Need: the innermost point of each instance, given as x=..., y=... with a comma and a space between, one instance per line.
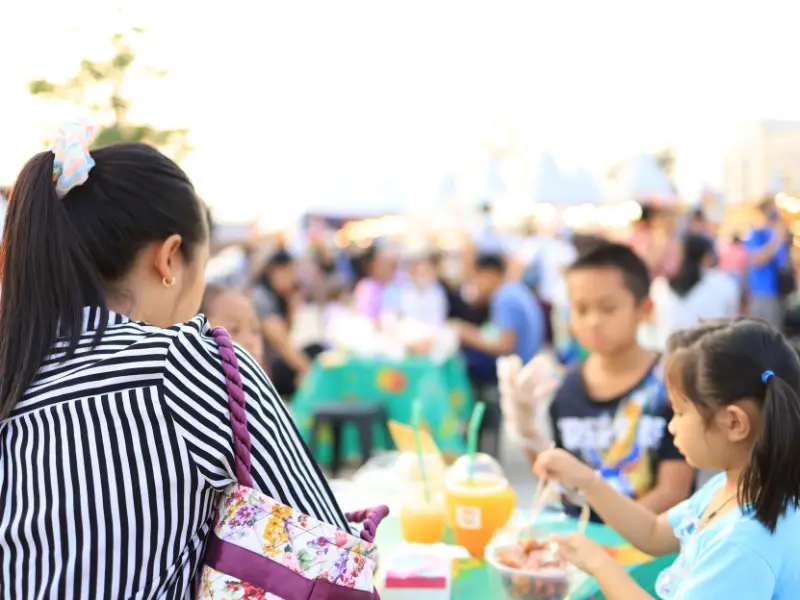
x=733, y=558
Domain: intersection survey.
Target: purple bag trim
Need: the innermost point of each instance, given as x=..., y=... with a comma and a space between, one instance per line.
x=233, y=382
x=371, y=518
x=241, y=437
x=273, y=577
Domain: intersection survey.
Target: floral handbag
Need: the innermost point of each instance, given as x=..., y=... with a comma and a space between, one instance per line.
x=261, y=549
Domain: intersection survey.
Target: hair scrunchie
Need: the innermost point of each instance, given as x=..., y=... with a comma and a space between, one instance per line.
x=72, y=161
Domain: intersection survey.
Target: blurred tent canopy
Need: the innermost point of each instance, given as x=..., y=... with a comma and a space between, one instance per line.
x=643, y=180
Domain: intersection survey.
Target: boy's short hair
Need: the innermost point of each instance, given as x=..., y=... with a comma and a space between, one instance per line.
x=608, y=255
x=490, y=262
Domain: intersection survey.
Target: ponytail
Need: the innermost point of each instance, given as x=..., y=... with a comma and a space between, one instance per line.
x=47, y=278
x=771, y=482
x=695, y=249
x=686, y=278
x=65, y=240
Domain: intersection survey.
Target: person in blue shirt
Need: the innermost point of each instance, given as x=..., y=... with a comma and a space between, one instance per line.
x=768, y=255
x=515, y=326
x=516, y=322
x=734, y=393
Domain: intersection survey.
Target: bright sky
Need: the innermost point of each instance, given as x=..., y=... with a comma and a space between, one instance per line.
x=293, y=104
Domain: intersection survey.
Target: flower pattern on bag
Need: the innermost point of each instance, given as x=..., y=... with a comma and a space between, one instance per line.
x=302, y=544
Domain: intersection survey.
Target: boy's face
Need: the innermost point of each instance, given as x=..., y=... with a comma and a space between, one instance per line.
x=604, y=314
x=235, y=312
x=486, y=282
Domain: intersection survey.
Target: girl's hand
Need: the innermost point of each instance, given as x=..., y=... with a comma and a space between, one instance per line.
x=561, y=466
x=582, y=552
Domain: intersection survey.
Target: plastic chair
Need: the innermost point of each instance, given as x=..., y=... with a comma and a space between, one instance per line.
x=363, y=415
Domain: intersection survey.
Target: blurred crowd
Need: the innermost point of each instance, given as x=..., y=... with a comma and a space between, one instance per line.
x=501, y=292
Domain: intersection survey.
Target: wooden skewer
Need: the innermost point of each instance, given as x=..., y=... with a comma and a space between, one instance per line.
x=542, y=491
x=539, y=504
x=537, y=496
x=583, y=519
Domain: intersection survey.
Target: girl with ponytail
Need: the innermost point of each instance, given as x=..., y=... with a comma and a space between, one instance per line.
x=696, y=292
x=734, y=391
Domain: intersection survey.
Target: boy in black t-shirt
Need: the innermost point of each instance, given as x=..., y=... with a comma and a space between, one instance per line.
x=611, y=409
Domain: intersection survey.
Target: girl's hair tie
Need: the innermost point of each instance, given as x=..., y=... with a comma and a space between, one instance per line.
x=72, y=161
x=766, y=375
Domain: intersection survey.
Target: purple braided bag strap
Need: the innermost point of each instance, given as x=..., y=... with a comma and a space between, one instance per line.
x=241, y=437
x=233, y=383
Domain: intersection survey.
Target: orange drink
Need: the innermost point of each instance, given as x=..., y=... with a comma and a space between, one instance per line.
x=478, y=508
x=423, y=513
x=423, y=522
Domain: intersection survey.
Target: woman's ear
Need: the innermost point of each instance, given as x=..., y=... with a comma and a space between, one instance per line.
x=166, y=256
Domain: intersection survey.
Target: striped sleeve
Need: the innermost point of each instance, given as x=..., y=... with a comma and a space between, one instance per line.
x=282, y=466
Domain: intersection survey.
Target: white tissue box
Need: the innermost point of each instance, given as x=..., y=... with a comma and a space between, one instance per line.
x=420, y=572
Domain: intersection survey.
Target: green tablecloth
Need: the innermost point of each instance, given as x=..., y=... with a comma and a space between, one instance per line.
x=443, y=388
x=474, y=579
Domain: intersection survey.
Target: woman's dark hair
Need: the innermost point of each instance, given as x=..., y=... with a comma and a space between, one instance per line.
x=695, y=249
x=729, y=364
x=59, y=255
x=279, y=259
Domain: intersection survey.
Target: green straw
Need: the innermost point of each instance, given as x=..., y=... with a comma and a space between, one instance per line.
x=472, y=436
x=416, y=420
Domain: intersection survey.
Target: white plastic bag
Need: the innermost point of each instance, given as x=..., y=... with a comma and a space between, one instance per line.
x=526, y=392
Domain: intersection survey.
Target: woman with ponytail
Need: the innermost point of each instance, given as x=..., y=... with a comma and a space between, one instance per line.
x=734, y=392
x=115, y=432
x=696, y=292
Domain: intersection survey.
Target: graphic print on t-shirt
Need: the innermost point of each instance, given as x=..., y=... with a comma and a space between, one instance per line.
x=622, y=439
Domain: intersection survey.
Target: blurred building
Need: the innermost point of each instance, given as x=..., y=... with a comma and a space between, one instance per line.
x=764, y=159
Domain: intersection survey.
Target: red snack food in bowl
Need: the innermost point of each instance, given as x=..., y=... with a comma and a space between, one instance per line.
x=530, y=571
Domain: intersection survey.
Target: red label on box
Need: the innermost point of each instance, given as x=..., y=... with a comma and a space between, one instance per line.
x=419, y=582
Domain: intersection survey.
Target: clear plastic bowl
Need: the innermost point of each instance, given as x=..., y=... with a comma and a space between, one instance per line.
x=550, y=584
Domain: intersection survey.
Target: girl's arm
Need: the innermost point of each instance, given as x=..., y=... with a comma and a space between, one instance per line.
x=617, y=584
x=612, y=578
x=650, y=533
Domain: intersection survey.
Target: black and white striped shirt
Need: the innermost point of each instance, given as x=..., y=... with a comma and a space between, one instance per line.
x=111, y=464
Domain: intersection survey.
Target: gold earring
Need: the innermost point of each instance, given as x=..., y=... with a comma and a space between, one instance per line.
x=168, y=283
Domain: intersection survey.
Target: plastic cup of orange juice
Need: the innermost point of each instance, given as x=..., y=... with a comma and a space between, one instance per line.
x=479, y=506
x=423, y=518
x=423, y=513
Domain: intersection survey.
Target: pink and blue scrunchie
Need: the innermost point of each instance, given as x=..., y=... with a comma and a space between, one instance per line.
x=72, y=161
